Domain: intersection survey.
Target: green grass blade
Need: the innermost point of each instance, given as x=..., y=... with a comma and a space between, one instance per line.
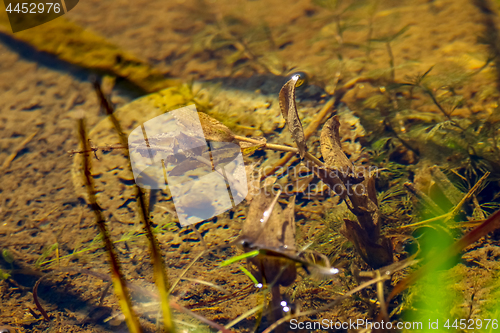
x=238, y=258
x=250, y=275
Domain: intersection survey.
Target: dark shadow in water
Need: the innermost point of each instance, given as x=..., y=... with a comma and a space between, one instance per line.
x=56, y=297
x=270, y=84
x=29, y=53
x=50, y=61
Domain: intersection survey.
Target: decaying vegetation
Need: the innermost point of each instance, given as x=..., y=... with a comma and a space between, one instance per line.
x=418, y=194
x=268, y=235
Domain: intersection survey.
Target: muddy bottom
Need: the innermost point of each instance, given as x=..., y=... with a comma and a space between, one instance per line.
x=236, y=56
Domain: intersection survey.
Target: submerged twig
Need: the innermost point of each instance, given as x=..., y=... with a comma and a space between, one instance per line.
x=467, y=197
x=11, y=157
x=245, y=315
x=95, y=149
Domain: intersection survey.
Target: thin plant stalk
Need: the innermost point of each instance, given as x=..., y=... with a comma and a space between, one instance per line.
x=336, y=301
x=448, y=216
x=160, y=274
x=116, y=274
x=245, y=315
x=272, y=146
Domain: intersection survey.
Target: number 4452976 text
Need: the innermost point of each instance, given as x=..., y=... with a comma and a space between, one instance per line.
x=34, y=8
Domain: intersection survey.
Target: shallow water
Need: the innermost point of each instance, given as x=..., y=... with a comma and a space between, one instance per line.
x=412, y=83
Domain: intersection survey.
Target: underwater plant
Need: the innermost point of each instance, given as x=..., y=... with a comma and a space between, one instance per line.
x=276, y=258
x=416, y=119
x=268, y=235
x=355, y=186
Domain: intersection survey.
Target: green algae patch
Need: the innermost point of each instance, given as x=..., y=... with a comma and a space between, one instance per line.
x=76, y=45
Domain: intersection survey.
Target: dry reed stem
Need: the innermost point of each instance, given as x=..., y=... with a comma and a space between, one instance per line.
x=160, y=274
x=116, y=274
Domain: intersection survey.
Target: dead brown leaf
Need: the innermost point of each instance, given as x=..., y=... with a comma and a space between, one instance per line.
x=334, y=156
x=214, y=130
x=278, y=233
x=289, y=112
